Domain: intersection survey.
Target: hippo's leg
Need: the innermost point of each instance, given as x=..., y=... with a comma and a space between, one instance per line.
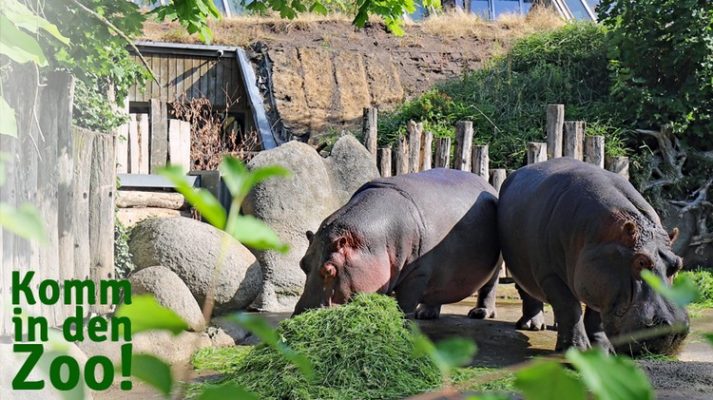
x=595, y=331
x=424, y=311
x=533, y=315
x=485, y=308
x=410, y=292
x=568, y=313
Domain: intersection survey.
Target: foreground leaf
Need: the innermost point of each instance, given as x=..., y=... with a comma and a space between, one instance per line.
x=709, y=337
x=153, y=372
x=546, y=380
x=225, y=391
x=446, y=354
x=611, y=377
x=254, y=233
x=268, y=335
x=24, y=222
x=147, y=314
x=202, y=200
x=8, y=124
x=683, y=291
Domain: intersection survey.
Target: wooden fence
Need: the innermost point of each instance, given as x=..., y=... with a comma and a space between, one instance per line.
x=418, y=150
x=68, y=176
x=152, y=140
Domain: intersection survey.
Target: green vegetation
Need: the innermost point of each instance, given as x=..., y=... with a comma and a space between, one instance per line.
x=703, y=280
x=360, y=350
x=506, y=100
x=224, y=360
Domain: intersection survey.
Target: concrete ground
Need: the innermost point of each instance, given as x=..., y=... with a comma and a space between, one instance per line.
x=501, y=345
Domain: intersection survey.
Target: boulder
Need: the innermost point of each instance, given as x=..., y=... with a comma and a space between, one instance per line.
x=191, y=249
x=170, y=292
x=349, y=166
x=293, y=205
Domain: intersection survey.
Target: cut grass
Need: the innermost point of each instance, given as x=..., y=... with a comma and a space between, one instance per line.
x=360, y=350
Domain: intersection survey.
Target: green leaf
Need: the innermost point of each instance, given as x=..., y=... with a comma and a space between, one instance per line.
x=258, y=327
x=202, y=200
x=447, y=354
x=146, y=314
x=240, y=180
x=611, y=377
x=152, y=371
x=18, y=45
x=24, y=222
x=318, y=8
x=254, y=233
x=268, y=335
x=682, y=292
x=229, y=390
x=26, y=19
x=545, y=380
x=8, y=124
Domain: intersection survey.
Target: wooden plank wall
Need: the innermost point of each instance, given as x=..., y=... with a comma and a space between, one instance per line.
x=68, y=176
x=143, y=152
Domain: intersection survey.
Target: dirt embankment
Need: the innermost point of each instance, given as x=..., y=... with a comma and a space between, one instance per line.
x=318, y=74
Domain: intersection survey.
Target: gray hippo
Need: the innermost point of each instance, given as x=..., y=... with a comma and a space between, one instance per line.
x=430, y=238
x=574, y=233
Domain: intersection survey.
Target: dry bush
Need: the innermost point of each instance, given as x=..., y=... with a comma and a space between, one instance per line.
x=213, y=133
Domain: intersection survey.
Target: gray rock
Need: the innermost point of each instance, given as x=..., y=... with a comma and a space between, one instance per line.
x=231, y=328
x=173, y=349
x=170, y=292
x=293, y=205
x=190, y=249
x=219, y=338
x=349, y=166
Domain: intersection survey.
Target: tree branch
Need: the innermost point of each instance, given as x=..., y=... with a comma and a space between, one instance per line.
x=121, y=34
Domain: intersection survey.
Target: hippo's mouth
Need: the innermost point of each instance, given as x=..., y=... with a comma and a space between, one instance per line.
x=636, y=340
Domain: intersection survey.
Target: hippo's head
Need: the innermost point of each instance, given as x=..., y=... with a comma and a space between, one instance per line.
x=339, y=263
x=608, y=279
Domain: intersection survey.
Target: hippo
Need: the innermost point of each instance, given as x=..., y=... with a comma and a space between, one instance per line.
x=574, y=233
x=430, y=238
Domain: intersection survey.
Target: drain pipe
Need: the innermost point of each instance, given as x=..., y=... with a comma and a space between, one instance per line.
x=256, y=105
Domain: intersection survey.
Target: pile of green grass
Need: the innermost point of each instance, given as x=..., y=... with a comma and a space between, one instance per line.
x=362, y=350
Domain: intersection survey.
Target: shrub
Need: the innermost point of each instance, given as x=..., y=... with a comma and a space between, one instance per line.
x=362, y=350
x=506, y=100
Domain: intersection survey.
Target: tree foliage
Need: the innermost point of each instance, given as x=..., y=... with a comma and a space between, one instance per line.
x=662, y=62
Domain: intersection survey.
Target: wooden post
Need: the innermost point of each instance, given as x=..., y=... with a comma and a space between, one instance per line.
x=555, y=120
x=159, y=134
x=481, y=161
x=618, y=165
x=443, y=152
x=426, y=150
x=464, y=142
x=401, y=156
x=144, y=137
x=369, y=130
x=101, y=216
x=594, y=150
x=497, y=177
x=414, y=145
x=385, y=161
x=536, y=152
x=83, y=145
x=179, y=143
x=574, y=139
x=134, y=151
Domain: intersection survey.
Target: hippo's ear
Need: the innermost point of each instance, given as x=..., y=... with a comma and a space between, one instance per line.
x=641, y=262
x=673, y=235
x=630, y=233
x=310, y=236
